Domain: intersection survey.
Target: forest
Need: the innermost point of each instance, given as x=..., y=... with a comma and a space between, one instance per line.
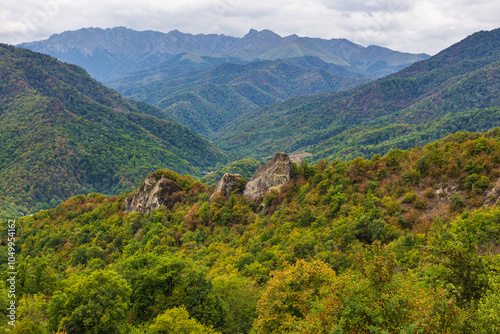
x=407, y=242
x=63, y=134
x=462, y=78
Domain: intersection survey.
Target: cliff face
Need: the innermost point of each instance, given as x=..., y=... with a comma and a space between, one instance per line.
x=158, y=190
x=227, y=185
x=269, y=176
x=154, y=193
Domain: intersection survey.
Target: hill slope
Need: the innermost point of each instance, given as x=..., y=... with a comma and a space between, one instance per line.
x=407, y=242
x=461, y=78
x=62, y=133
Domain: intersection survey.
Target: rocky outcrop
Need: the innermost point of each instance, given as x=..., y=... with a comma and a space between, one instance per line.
x=226, y=185
x=271, y=175
x=155, y=191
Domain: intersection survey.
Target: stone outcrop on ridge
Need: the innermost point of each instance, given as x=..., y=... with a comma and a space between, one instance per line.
x=158, y=190
x=154, y=192
x=271, y=175
x=226, y=185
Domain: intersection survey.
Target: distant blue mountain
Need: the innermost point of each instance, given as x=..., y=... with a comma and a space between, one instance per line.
x=111, y=53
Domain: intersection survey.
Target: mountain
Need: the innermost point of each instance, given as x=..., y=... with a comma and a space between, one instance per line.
x=208, y=98
x=205, y=81
x=111, y=53
x=460, y=79
x=303, y=47
x=63, y=133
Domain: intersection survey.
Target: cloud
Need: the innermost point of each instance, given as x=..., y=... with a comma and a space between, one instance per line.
x=405, y=25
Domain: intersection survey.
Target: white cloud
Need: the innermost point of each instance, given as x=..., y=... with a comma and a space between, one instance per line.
x=405, y=25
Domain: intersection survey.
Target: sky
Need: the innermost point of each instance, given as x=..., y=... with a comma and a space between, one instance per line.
x=404, y=25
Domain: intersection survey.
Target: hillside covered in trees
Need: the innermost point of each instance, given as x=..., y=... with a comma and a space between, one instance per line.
x=205, y=100
x=444, y=93
x=402, y=243
x=63, y=133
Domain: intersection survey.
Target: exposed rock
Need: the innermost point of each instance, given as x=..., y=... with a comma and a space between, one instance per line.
x=154, y=193
x=226, y=185
x=445, y=193
x=269, y=176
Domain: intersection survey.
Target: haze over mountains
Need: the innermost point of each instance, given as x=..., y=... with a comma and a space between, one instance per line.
x=110, y=53
x=205, y=81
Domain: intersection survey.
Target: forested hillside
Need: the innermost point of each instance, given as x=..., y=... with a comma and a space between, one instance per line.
x=205, y=81
x=461, y=78
x=205, y=100
x=63, y=134
x=404, y=243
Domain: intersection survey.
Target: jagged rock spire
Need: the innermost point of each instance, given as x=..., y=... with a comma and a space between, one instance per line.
x=271, y=175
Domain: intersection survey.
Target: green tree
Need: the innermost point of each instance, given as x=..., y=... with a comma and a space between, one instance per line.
x=32, y=315
x=177, y=320
x=378, y=300
x=457, y=264
x=289, y=293
x=97, y=303
x=36, y=275
x=163, y=282
x=239, y=295
x=487, y=316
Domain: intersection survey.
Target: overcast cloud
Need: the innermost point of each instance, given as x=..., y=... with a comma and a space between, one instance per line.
x=405, y=25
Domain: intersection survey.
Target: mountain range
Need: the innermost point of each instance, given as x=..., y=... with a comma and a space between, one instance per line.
x=86, y=137
x=111, y=53
x=205, y=100
x=206, y=81
x=421, y=103
x=405, y=242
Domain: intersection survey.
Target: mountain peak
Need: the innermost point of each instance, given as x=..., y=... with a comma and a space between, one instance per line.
x=263, y=41
x=175, y=31
x=264, y=33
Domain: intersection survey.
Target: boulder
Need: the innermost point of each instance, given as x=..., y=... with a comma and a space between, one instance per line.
x=226, y=185
x=152, y=194
x=271, y=175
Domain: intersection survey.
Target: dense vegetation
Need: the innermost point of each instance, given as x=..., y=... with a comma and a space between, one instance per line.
x=62, y=134
x=245, y=167
x=464, y=77
x=205, y=100
x=404, y=243
x=366, y=141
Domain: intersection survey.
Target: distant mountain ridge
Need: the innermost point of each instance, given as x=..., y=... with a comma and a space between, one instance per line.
x=110, y=53
x=207, y=98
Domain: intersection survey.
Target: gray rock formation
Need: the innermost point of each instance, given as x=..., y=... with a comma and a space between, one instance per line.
x=271, y=175
x=154, y=193
x=226, y=185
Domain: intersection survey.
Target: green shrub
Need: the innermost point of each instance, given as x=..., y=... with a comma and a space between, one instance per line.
x=409, y=197
x=457, y=203
x=420, y=203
